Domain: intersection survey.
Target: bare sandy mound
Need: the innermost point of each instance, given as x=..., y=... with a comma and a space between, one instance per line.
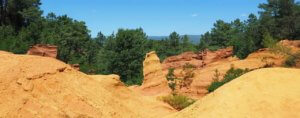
x=264, y=93
x=33, y=87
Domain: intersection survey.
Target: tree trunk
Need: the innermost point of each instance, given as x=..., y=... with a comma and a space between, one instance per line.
x=1, y=12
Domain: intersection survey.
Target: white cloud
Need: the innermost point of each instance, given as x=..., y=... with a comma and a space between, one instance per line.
x=244, y=15
x=194, y=15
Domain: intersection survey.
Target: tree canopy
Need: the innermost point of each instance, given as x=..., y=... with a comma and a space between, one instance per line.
x=279, y=18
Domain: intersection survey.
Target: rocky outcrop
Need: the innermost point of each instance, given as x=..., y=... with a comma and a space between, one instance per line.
x=293, y=44
x=155, y=82
x=263, y=93
x=43, y=50
x=199, y=59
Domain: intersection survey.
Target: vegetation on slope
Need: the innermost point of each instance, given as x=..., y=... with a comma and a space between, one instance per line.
x=177, y=101
x=230, y=75
x=291, y=58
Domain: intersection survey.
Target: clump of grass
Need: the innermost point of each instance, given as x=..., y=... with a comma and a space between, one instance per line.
x=177, y=101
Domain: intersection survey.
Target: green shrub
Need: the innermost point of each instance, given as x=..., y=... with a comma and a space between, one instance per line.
x=171, y=79
x=290, y=61
x=213, y=48
x=172, y=86
x=231, y=74
x=215, y=85
x=188, y=74
x=178, y=102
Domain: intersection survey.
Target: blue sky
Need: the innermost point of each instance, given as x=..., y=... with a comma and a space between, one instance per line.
x=156, y=17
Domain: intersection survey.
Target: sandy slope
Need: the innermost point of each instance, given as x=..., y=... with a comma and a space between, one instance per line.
x=264, y=93
x=32, y=86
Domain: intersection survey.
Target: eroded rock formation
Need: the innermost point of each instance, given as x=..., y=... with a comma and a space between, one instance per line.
x=155, y=81
x=199, y=59
x=43, y=50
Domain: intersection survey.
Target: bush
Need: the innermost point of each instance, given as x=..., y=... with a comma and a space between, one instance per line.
x=291, y=61
x=188, y=74
x=171, y=79
x=178, y=102
x=213, y=48
x=231, y=74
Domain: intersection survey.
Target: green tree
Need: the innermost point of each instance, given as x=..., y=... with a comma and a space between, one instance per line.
x=124, y=54
x=24, y=17
x=279, y=18
x=174, y=40
x=100, y=39
x=220, y=34
x=19, y=13
x=171, y=79
x=186, y=44
x=9, y=40
x=297, y=21
x=75, y=46
x=172, y=44
x=248, y=39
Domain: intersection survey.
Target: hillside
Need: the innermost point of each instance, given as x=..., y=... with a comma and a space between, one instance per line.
x=33, y=86
x=264, y=93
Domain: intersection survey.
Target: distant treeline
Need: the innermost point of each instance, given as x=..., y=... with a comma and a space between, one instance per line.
x=278, y=18
x=193, y=38
x=22, y=25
